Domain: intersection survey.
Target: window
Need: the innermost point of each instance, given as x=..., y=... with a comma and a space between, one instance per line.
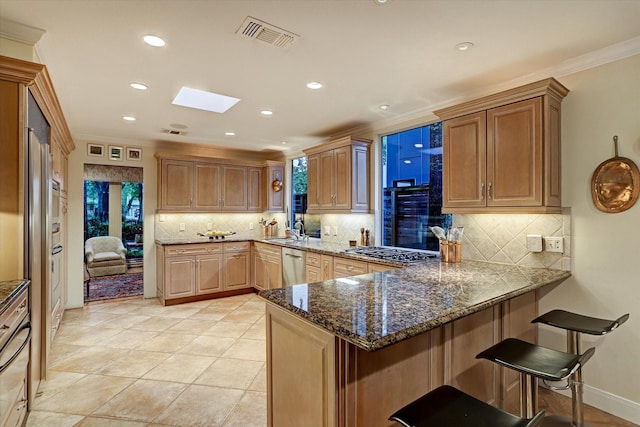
x=412, y=187
x=311, y=223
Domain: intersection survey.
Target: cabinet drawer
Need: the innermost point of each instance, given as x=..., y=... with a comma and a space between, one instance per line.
x=375, y=268
x=270, y=251
x=197, y=249
x=346, y=267
x=236, y=246
x=313, y=259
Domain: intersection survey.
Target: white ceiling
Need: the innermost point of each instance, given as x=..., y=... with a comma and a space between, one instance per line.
x=401, y=54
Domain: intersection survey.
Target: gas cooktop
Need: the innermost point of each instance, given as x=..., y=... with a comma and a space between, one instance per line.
x=392, y=254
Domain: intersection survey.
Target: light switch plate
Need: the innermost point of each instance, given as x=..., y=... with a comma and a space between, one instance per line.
x=182, y=226
x=209, y=226
x=327, y=230
x=534, y=242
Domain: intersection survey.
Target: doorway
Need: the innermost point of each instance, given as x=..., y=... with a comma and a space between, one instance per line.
x=113, y=232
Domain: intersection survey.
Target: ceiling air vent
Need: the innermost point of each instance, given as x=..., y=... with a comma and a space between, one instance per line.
x=259, y=30
x=173, y=131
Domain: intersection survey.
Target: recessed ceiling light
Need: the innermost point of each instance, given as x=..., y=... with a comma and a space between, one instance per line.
x=384, y=107
x=465, y=46
x=230, y=134
x=203, y=100
x=129, y=118
x=284, y=142
x=154, y=41
x=381, y=1
x=266, y=112
x=407, y=162
x=314, y=85
x=139, y=86
x=418, y=145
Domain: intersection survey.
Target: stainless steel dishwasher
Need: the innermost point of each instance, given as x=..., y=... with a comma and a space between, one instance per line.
x=293, y=267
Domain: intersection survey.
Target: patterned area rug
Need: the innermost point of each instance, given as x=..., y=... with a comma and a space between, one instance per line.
x=116, y=286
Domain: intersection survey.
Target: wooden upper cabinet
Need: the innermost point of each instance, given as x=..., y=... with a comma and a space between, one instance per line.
x=313, y=182
x=207, y=186
x=514, y=154
x=464, y=165
x=255, y=190
x=195, y=184
x=275, y=199
x=338, y=176
x=234, y=188
x=176, y=184
x=501, y=153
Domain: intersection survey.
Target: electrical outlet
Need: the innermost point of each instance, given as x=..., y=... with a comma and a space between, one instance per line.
x=534, y=243
x=182, y=226
x=335, y=230
x=162, y=218
x=209, y=226
x=327, y=230
x=250, y=226
x=554, y=244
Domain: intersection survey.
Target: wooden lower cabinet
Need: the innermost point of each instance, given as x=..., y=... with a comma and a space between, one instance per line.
x=200, y=271
x=301, y=377
x=319, y=267
x=267, y=266
x=327, y=381
x=345, y=267
x=373, y=267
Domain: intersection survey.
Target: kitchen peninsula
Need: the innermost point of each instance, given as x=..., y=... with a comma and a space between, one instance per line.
x=351, y=351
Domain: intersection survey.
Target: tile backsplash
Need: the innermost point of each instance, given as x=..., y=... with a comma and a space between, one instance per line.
x=348, y=225
x=167, y=226
x=502, y=238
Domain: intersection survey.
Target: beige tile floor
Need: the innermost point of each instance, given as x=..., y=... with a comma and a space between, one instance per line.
x=137, y=363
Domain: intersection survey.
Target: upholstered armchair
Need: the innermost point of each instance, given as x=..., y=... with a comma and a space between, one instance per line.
x=105, y=256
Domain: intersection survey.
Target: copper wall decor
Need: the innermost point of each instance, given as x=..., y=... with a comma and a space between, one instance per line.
x=615, y=184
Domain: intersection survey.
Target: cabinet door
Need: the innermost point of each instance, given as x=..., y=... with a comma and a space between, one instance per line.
x=464, y=161
x=341, y=178
x=359, y=186
x=326, y=191
x=234, y=188
x=180, y=277
x=276, y=198
x=208, y=274
x=255, y=190
x=313, y=182
x=274, y=273
x=514, y=154
x=259, y=272
x=207, y=187
x=314, y=274
x=176, y=188
x=327, y=267
x=236, y=270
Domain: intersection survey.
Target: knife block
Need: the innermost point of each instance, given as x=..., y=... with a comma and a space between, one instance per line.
x=450, y=251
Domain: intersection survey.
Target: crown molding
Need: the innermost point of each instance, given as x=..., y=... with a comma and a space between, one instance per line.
x=19, y=32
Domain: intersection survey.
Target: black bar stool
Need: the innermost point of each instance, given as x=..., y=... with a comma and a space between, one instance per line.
x=575, y=324
x=447, y=406
x=533, y=362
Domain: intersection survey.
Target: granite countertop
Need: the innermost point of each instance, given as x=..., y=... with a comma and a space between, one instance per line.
x=373, y=311
x=187, y=240
x=310, y=245
x=9, y=290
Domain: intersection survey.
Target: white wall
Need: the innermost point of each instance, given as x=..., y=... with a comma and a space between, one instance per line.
x=75, y=220
x=605, y=282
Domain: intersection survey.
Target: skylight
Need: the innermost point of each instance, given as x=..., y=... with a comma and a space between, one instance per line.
x=203, y=100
